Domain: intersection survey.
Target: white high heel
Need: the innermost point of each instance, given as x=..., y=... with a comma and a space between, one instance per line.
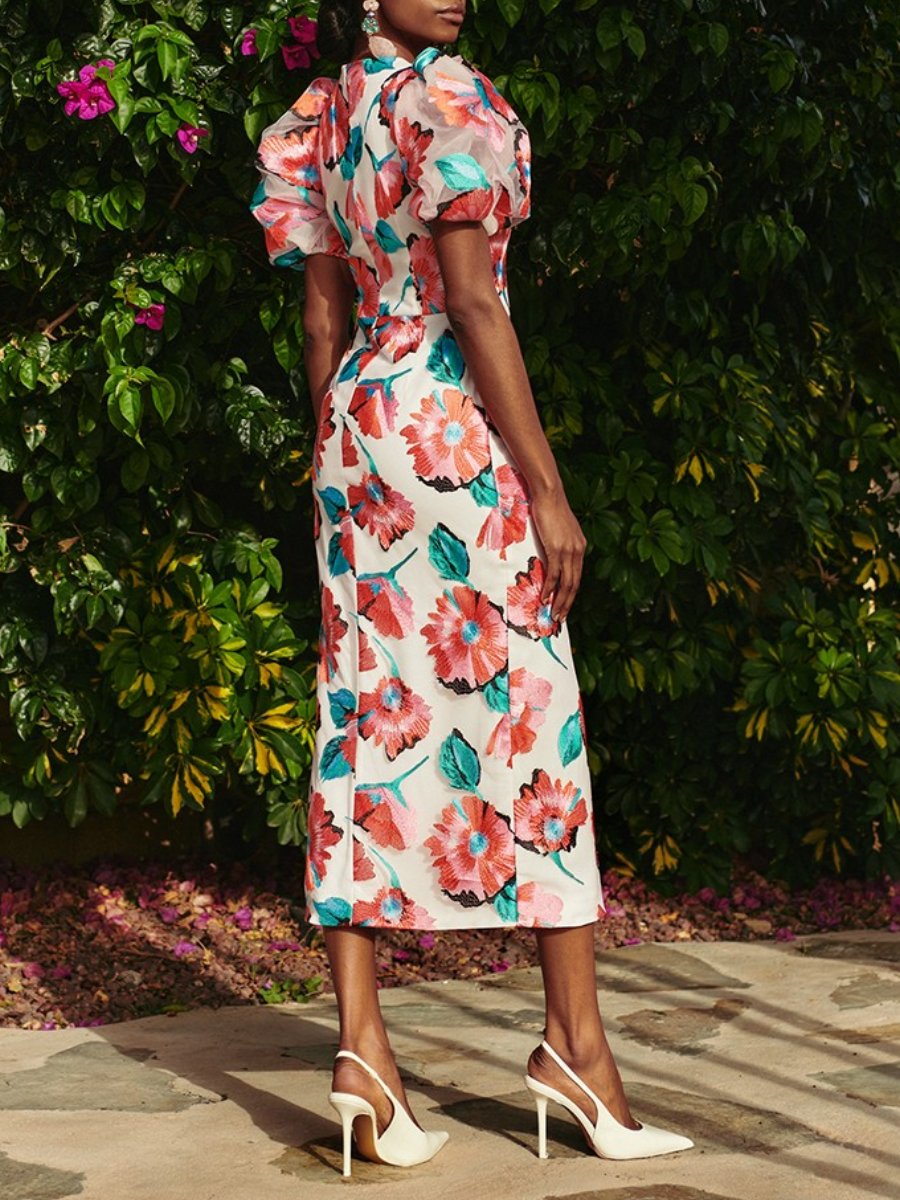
x=402, y=1144
x=609, y=1138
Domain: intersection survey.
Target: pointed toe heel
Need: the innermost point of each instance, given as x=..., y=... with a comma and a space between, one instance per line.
x=402, y=1144
x=608, y=1138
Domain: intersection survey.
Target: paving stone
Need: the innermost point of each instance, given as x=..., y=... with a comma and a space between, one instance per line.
x=655, y=1191
x=864, y=990
x=682, y=1030
x=29, y=1181
x=864, y=1035
x=95, y=1075
x=320, y=1161
x=878, y=1085
x=879, y=949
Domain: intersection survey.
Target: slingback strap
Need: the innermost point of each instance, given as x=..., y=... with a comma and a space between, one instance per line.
x=601, y=1107
x=362, y=1062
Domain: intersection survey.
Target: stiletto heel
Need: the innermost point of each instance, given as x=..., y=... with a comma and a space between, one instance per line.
x=402, y=1144
x=608, y=1138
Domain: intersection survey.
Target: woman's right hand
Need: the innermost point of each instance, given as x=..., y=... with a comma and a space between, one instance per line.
x=564, y=546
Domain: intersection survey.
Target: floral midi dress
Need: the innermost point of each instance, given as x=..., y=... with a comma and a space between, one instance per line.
x=450, y=784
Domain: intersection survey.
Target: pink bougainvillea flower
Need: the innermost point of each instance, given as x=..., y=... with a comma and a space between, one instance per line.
x=467, y=639
x=168, y=915
x=183, y=949
x=87, y=96
x=548, y=815
x=152, y=316
x=448, y=440
x=298, y=55
x=473, y=850
x=393, y=715
x=189, y=136
x=426, y=941
x=391, y=906
x=248, y=42
x=243, y=918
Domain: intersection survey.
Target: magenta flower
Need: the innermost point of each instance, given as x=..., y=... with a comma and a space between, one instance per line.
x=243, y=918
x=183, y=949
x=189, y=136
x=62, y=972
x=300, y=53
x=87, y=96
x=426, y=941
x=248, y=42
x=785, y=934
x=152, y=317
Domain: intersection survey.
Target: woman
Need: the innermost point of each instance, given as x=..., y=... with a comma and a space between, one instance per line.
x=450, y=784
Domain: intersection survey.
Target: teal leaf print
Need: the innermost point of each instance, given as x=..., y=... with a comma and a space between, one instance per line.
x=570, y=740
x=351, y=369
x=505, y=902
x=497, y=693
x=343, y=705
x=484, y=489
x=459, y=763
x=334, y=763
x=342, y=227
x=386, y=238
x=338, y=563
x=352, y=154
x=448, y=555
x=555, y=857
x=333, y=911
x=462, y=172
x=334, y=502
x=445, y=362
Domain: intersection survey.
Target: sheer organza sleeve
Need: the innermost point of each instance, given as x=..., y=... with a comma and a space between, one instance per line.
x=466, y=155
x=289, y=200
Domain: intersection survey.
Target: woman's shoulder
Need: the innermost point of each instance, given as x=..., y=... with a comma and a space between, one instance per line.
x=450, y=87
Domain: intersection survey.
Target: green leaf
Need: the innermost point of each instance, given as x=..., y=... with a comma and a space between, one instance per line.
x=459, y=763
x=448, y=554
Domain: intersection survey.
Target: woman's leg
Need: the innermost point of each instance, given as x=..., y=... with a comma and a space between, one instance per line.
x=351, y=953
x=574, y=1027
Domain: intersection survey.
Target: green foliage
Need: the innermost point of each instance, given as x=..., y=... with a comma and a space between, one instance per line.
x=708, y=308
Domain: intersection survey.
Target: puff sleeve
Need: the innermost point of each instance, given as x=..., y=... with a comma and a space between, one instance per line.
x=466, y=155
x=289, y=201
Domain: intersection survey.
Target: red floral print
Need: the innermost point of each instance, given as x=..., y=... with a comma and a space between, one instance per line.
x=548, y=815
x=507, y=522
x=391, y=907
x=323, y=834
x=516, y=731
x=525, y=610
x=393, y=716
x=380, y=510
x=467, y=639
x=386, y=604
x=332, y=629
x=389, y=822
x=473, y=850
x=448, y=440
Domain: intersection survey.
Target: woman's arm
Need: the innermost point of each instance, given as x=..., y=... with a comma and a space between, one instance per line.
x=326, y=319
x=491, y=350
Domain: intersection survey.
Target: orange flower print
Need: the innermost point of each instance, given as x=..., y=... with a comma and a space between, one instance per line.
x=384, y=816
x=322, y=835
x=473, y=851
x=464, y=103
x=467, y=639
x=393, y=716
x=380, y=510
x=516, y=731
x=448, y=440
x=392, y=907
x=507, y=522
x=548, y=815
x=526, y=612
x=537, y=906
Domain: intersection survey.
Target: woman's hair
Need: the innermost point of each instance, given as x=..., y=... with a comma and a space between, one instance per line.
x=338, y=24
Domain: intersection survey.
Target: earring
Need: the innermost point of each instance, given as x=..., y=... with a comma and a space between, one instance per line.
x=379, y=47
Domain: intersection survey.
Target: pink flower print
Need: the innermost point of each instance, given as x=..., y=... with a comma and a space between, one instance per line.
x=248, y=42
x=322, y=835
x=473, y=850
x=515, y=733
x=391, y=906
x=537, y=906
x=380, y=510
x=526, y=611
x=188, y=137
x=87, y=96
x=548, y=815
x=507, y=522
x=375, y=409
x=298, y=55
x=386, y=604
x=465, y=104
x=333, y=628
x=467, y=639
x=363, y=867
x=151, y=316
x=448, y=440
x=426, y=273
x=380, y=811
x=292, y=157
x=393, y=716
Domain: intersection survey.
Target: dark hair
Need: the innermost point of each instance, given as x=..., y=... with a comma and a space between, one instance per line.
x=338, y=25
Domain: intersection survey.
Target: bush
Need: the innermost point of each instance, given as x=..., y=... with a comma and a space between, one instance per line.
x=708, y=306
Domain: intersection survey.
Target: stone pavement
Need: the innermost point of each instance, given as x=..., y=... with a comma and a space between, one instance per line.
x=778, y=1059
